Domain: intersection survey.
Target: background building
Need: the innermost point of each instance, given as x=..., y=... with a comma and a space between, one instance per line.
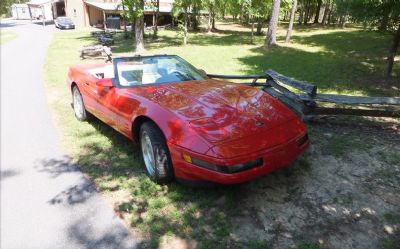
x=20, y=11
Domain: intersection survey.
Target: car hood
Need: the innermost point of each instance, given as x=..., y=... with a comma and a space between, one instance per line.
x=219, y=111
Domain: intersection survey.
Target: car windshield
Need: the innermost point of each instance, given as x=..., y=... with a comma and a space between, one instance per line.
x=64, y=20
x=135, y=71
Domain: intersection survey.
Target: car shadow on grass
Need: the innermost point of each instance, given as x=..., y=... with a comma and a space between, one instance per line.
x=164, y=214
x=263, y=213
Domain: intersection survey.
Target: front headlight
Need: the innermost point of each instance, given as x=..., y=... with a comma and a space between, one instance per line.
x=224, y=169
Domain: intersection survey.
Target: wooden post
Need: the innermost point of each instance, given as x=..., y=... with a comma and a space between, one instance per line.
x=104, y=20
x=252, y=32
x=44, y=16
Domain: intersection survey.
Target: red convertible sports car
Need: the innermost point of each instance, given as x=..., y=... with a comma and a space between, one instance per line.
x=189, y=127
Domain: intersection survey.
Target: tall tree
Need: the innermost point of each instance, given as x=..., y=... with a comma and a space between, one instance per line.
x=211, y=10
x=326, y=11
x=292, y=14
x=270, y=40
x=316, y=19
x=373, y=14
x=306, y=11
x=133, y=11
x=392, y=52
x=139, y=28
x=301, y=11
x=182, y=7
x=156, y=18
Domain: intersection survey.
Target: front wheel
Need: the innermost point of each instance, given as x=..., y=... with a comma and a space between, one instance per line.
x=155, y=153
x=79, y=106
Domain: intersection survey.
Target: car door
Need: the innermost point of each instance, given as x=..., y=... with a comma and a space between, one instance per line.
x=127, y=106
x=117, y=106
x=105, y=104
x=87, y=84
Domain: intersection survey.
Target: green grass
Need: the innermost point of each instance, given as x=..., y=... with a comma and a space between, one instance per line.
x=7, y=36
x=335, y=60
x=309, y=245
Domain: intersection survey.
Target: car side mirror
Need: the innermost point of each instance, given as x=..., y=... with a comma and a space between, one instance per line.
x=105, y=82
x=202, y=72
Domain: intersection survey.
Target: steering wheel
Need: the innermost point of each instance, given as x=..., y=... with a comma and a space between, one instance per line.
x=182, y=76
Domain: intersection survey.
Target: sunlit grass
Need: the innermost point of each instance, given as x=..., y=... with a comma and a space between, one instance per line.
x=7, y=36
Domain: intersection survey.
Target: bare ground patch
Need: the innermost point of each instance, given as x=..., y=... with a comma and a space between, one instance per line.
x=340, y=194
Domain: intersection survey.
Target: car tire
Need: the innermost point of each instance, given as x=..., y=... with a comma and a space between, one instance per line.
x=155, y=153
x=79, y=107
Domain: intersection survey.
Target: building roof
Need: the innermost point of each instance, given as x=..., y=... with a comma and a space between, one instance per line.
x=106, y=6
x=20, y=5
x=38, y=2
x=164, y=8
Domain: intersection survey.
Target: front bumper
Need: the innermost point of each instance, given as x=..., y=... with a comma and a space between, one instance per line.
x=273, y=159
x=67, y=27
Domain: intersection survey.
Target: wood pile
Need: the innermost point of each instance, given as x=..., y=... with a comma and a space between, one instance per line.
x=96, y=51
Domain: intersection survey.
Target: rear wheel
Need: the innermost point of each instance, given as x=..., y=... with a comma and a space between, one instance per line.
x=78, y=105
x=155, y=153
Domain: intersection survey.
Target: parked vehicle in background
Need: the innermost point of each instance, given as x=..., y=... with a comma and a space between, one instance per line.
x=64, y=23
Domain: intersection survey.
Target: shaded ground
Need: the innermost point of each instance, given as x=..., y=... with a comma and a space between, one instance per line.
x=343, y=193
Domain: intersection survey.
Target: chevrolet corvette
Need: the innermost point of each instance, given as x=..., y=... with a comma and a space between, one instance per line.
x=189, y=127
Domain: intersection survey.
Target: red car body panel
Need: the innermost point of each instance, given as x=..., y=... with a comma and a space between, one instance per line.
x=215, y=121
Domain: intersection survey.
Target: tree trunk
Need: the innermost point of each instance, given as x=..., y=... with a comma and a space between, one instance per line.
x=292, y=14
x=209, y=20
x=252, y=32
x=260, y=23
x=307, y=12
x=185, y=28
x=241, y=17
x=384, y=22
x=330, y=13
x=342, y=21
x=196, y=18
x=386, y=10
x=301, y=12
x=270, y=40
x=392, y=53
x=316, y=19
x=326, y=11
x=213, y=21
x=156, y=19
x=139, y=29
x=133, y=29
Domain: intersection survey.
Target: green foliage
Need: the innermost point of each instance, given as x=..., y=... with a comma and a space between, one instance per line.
x=258, y=8
x=132, y=9
x=383, y=14
x=181, y=6
x=5, y=5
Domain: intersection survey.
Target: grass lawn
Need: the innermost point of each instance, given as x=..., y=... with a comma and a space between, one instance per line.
x=346, y=61
x=6, y=36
